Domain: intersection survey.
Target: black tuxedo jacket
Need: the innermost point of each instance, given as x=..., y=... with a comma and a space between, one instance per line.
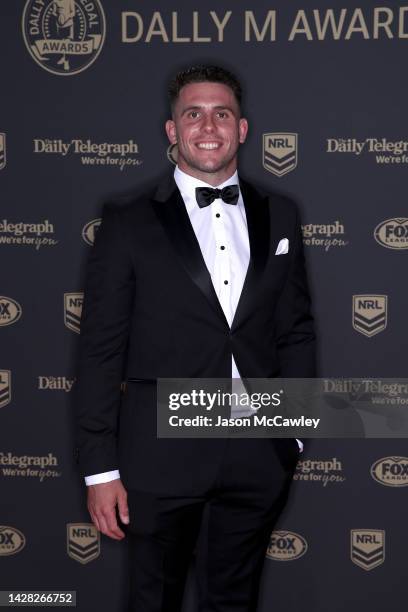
x=150, y=311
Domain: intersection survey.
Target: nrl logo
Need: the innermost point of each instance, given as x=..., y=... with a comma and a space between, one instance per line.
x=367, y=547
x=2, y=150
x=5, y=387
x=279, y=152
x=64, y=36
x=89, y=231
x=73, y=310
x=369, y=314
x=83, y=542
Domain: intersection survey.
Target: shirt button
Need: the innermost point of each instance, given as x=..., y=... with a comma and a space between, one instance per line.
x=218, y=215
x=225, y=282
x=222, y=248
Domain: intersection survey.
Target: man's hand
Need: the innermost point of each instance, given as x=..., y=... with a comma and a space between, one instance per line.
x=102, y=501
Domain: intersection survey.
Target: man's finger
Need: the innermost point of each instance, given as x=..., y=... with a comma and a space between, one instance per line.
x=112, y=524
x=123, y=508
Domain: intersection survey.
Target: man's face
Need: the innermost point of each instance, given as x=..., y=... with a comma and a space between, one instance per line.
x=208, y=130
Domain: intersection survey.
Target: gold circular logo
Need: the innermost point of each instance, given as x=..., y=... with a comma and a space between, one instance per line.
x=10, y=311
x=391, y=471
x=286, y=546
x=89, y=231
x=393, y=233
x=11, y=540
x=172, y=153
x=64, y=36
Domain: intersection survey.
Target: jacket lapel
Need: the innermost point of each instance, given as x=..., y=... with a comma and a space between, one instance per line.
x=257, y=215
x=172, y=214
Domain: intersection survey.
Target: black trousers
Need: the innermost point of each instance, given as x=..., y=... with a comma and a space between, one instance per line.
x=242, y=501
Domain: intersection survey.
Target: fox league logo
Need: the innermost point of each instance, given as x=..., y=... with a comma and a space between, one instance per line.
x=286, y=546
x=369, y=314
x=367, y=547
x=64, y=36
x=89, y=231
x=279, y=152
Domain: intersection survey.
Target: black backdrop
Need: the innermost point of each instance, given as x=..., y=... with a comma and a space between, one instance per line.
x=82, y=113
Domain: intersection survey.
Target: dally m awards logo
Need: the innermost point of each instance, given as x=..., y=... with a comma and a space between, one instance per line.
x=10, y=311
x=368, y=547
x=89, y=231
x=286, y=546
x=369, y=314
x=73, y=310
x=2, y=150
x=12, y=540
x=83, y=542
x=64, y=36
x=5, y=387
x=393, y=233
x=279, y=152
x=391, y=471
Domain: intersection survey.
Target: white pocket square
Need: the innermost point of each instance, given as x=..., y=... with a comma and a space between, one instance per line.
x=283, y=247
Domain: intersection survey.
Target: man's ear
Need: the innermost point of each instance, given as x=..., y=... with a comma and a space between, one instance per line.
x=243, y=130
x=171, y=131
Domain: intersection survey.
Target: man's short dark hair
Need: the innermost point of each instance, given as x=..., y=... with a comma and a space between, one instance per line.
x=204, y=73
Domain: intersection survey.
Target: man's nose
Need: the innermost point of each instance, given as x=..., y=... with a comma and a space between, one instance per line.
x=209, y=125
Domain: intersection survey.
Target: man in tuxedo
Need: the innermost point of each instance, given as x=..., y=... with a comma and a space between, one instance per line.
x=203, y=276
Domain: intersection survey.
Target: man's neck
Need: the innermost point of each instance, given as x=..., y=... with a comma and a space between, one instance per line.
x=210, y=178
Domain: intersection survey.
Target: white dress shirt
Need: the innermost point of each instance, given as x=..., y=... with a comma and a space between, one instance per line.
x=222, y=233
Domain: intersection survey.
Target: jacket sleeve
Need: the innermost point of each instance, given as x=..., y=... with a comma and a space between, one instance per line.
x=105, y=322
x=295, y=334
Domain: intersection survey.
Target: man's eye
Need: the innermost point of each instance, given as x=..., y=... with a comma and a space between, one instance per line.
x=222, y=115
x=194, y=114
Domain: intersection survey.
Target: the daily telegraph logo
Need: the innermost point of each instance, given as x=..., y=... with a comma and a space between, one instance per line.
x=2, y=150
x=118, y=155
x=29, y=466
x=286, y=546
x=73, y=310
x=12, y=540
x=384, y=151
x=370, y=314
x=5, y=387
x=279, y=152
x=325, y=235
x=10, y=311
x=391, y=471
x=368, y=547
x=89, y=231
x=393, y=233
x=55, y=383
x=64, y=36
x=20, y=233
x=320, y=471
x=83, y=542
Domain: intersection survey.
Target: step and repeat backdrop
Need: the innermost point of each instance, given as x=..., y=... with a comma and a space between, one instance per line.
x=82, y=109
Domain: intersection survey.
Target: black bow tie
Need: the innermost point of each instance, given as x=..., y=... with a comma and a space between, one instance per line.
x=206, y=195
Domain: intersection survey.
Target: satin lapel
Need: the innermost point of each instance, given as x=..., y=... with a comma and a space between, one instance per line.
x=257, y=215
x=172, y=214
